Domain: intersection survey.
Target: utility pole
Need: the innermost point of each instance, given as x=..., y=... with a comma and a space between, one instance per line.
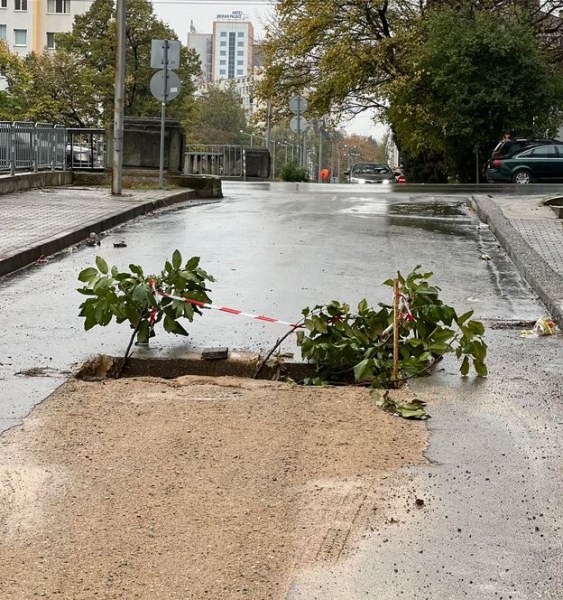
x=163, y=118
x=117, y=159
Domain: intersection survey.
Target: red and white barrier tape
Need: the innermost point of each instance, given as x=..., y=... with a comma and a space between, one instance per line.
x=406, y=314
x=232, y=311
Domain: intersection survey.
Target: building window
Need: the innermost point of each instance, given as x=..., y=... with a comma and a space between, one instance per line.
x=222, y=72
x=50, y=40
x=3, y=33
x=3, y=3
x=223, y=34
x=240, y=43
x=223, y=53
x=240, y=33
x=240, y=72
x=20, y=5
x=222, y=62
x=20, y=37
x=223, y=43
x=58, y=6
x=240, y=52
x=240, y=63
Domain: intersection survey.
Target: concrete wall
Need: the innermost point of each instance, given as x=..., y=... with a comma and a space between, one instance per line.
x=141, y=144
x=30, y=181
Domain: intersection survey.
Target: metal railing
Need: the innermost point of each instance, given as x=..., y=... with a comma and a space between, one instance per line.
x=227, y=161
x=40, y=146
x=214, y=160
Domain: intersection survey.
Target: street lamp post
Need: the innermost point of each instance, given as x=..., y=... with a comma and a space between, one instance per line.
x=250, y=135
x=273, y=176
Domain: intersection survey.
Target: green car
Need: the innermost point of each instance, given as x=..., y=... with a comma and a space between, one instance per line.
x=539, y=163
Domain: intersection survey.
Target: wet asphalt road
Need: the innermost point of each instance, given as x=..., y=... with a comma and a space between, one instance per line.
x=490, y=524
x=273, y=251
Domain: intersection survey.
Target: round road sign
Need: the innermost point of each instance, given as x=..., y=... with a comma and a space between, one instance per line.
x=298, y=124
x=298, y=105
x=173, y=85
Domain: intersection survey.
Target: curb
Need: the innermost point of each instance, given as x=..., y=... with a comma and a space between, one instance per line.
x=29, y=254
x=545, y=282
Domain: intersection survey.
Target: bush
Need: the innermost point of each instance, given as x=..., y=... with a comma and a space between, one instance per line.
x=292, y=172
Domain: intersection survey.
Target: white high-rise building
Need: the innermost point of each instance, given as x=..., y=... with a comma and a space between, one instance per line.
x=233, y=46
x=202, y=43
x=30, y=25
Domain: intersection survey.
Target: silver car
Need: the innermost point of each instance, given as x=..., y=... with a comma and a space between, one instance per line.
x=370, y=173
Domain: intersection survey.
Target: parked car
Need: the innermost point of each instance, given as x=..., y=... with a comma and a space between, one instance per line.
x=509, y=146
x=82, y=157
x=536, y=163
x=370, y=173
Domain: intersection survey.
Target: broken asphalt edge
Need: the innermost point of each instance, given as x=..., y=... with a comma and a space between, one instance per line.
x=545, y=282
x=23, y=257
x=236, y=364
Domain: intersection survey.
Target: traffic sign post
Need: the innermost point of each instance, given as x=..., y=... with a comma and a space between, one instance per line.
x=298, y=105
x=298, y=124
x=165, y=53
x=165, y=85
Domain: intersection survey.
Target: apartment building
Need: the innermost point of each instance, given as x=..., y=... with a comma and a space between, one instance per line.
x=30, y=25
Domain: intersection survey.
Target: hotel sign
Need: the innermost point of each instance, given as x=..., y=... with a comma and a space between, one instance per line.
x=235, y=14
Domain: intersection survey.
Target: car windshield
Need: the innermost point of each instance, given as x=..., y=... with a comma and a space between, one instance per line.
x=370, y=169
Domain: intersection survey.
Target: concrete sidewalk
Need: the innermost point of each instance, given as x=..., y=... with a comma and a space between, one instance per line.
x=532, y=235
x=44, y=221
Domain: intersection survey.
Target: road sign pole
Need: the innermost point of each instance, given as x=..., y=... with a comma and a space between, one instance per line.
x=298, y=114
x=163, y=118
x=117, y=158
x=320, y=165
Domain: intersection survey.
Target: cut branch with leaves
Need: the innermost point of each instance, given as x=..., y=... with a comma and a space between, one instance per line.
x=141, y=299
x=347, y=347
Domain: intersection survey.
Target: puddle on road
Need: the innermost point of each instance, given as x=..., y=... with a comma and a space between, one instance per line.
x=443, y=217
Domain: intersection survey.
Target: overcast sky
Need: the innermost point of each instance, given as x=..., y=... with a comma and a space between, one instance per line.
x=179, y=13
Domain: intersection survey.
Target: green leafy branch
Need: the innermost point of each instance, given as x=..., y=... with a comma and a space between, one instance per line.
x=358, y=348
x=141, y=299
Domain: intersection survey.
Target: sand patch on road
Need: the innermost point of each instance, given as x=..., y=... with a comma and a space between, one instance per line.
x=193, y=488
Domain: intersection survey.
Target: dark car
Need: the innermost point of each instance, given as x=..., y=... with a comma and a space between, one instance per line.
x=507, y=147
x=370, y=173
x=536, y=163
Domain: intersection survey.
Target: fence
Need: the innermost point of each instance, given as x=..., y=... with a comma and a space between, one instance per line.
x=227, y=161
x=40, y=146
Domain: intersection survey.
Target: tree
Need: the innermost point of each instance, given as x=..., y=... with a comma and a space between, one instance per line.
x=93, y=39
x=337, y=50
x=74, y=85
x=12, y=67
x=218, y=118
x=468, y=76
x=345, y=54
